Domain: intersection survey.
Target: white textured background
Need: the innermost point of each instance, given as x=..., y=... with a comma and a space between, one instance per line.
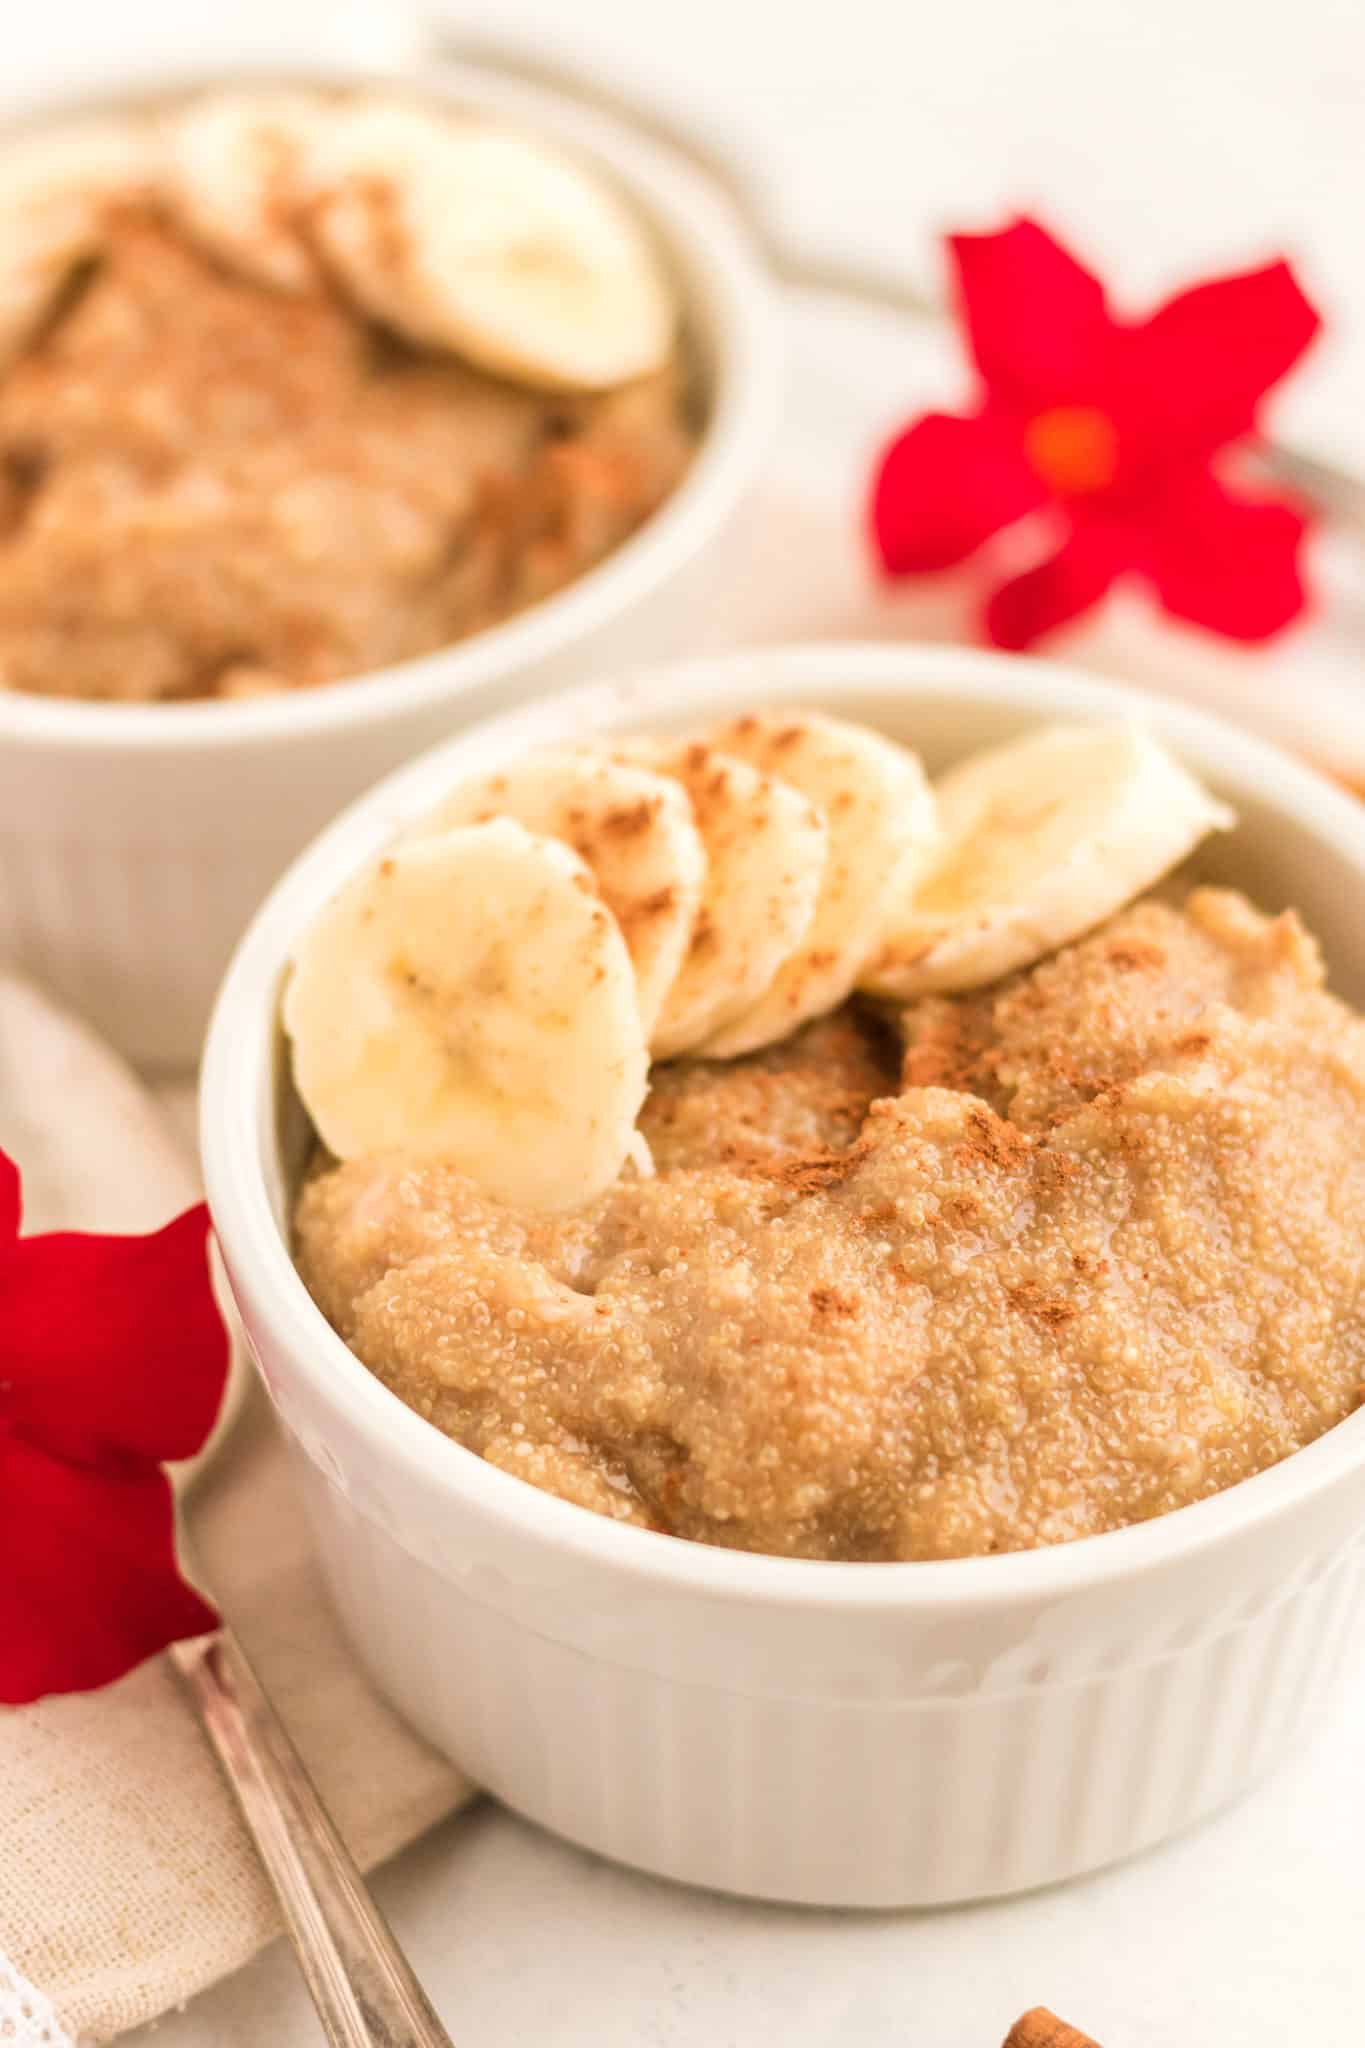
x=1165, y=135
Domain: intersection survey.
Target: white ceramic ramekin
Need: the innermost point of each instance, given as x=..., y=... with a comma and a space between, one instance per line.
x=839, y=1734
x=135, y=840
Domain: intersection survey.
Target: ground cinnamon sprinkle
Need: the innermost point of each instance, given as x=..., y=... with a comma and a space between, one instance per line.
x=944, y=1052
x=1073, y=1074
x=993, y=1142
x=1054, y=1169
x=810, y=1175
x=628, y=821
x=390, y=242
x=828, y=1301
x=659, y=904
x=1050, y=1309
x=1133, y=954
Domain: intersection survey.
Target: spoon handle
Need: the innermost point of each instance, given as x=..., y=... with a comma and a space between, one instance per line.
x=360, y=1981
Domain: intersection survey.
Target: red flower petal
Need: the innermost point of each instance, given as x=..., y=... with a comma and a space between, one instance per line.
x=1227, y=562
x=1117, y=424
x=1036, y=319
x=90, y=1585
x=945, y=486
x=1194, y=373
x=113, y=1341
x=11, y=1202
x=1059, y=589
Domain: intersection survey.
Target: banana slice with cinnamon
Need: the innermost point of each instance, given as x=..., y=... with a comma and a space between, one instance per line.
x=1043, y=839
x=880, y=816
x=469, y=997
x=483, y=241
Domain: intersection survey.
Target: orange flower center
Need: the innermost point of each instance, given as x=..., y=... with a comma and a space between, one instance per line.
x=1073, y=448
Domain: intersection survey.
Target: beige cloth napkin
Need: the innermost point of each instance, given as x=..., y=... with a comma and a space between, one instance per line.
x=126, y=1881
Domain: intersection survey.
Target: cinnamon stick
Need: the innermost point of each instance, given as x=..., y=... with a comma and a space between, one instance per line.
x=1042, y=2029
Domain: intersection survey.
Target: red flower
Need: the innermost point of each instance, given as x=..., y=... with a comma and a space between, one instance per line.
x=112, y=1359
x=1106, y=431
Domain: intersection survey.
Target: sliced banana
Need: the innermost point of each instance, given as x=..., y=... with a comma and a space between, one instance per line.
x=765, y=860
x=482, y=241
x=469, y=996
x=883, y=834
x=632, y=827
x=1043, y=839
x=235, y=174
x=56, y=188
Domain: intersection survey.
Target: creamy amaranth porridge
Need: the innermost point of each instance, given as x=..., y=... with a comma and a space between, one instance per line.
x=1090, y=1248
x=214, y=485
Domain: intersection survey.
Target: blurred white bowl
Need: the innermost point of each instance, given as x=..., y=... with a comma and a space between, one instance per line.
x=136, y=839
x=836, y=1734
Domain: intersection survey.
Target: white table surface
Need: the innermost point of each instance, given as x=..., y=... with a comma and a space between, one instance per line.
x=1245, y=1934
x=1164, y=134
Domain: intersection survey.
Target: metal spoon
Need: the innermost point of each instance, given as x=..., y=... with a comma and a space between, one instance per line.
x=360, y=1981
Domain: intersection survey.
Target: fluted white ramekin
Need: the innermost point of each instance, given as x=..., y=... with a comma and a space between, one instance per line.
x=839, y=1734
x=135, y=840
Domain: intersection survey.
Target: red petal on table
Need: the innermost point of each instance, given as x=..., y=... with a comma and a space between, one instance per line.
x=113, y=1341
x=943, y=487
x=1225, y=561
x=11, y=1201
x=90, y=1585
x=1037, y=320
x=1057, y=590
x=1194, y=373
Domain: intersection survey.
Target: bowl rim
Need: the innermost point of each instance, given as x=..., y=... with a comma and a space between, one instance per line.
x=732, y=301
x=239, y=1093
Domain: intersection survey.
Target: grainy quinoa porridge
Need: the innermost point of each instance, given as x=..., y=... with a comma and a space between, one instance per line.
x=935, y=1275
x=239, y=451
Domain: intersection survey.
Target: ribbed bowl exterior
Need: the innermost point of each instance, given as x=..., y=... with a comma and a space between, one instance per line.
x=909, y=1796
x=131, y=934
